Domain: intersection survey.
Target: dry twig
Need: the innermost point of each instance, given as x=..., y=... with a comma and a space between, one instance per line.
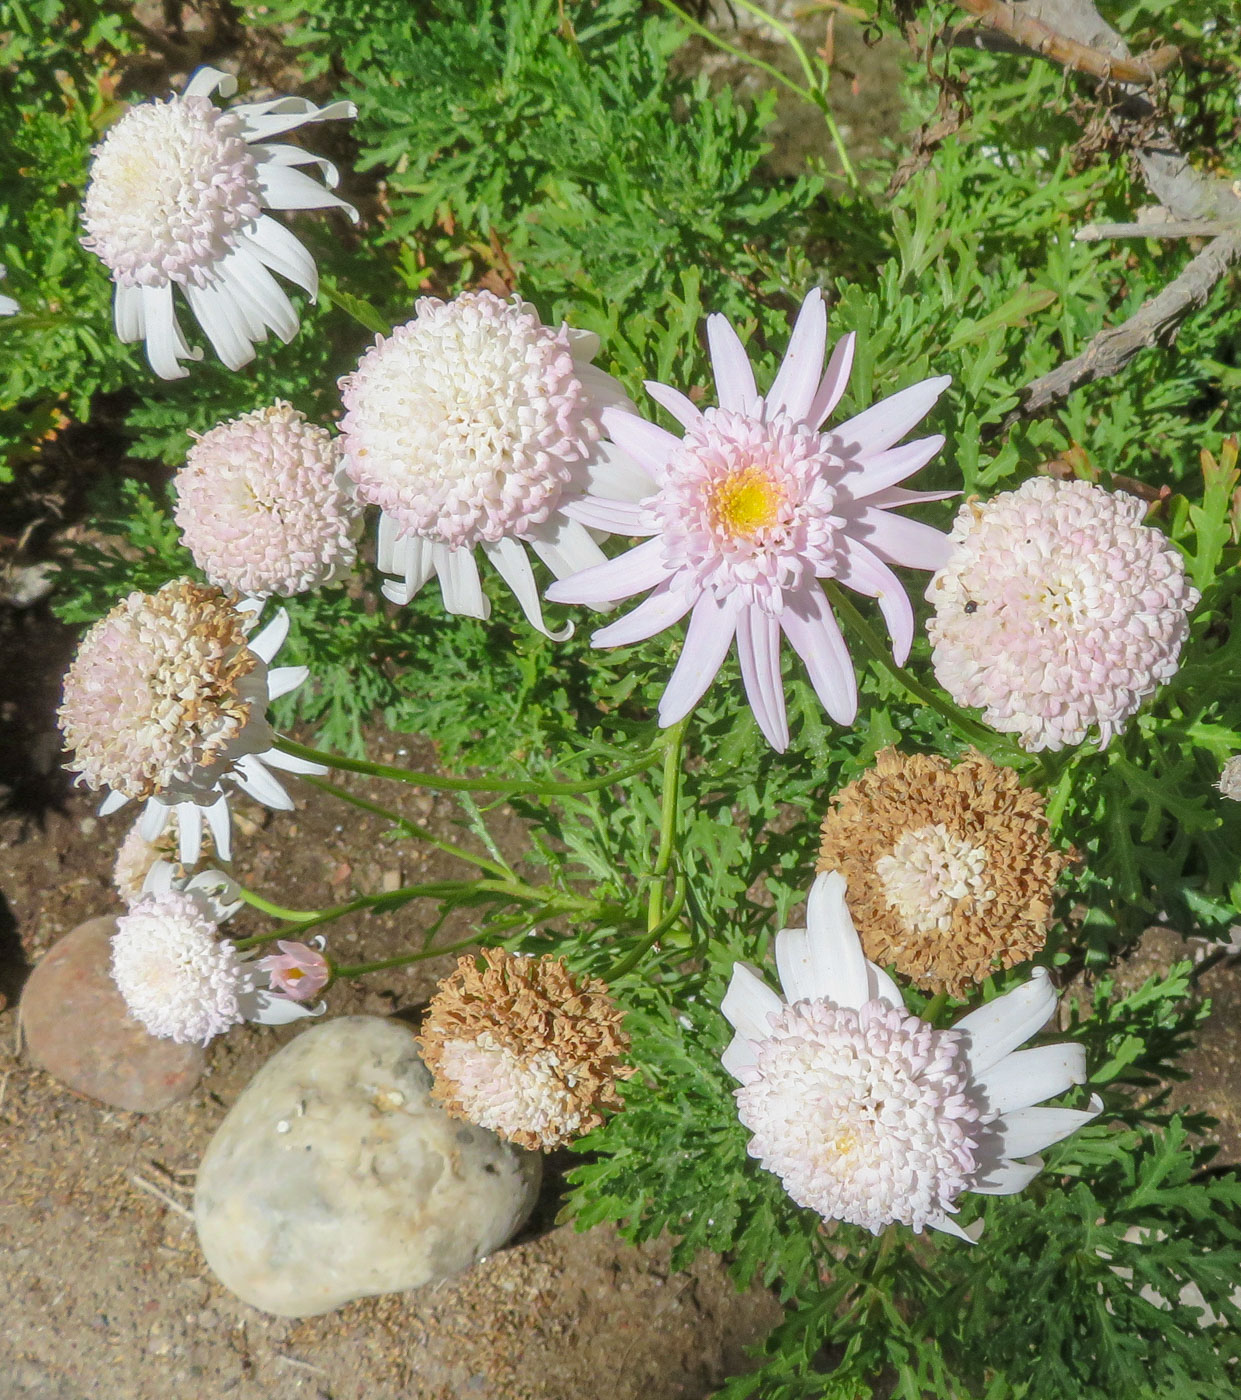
x=1033, y=33
x=155, y=1191
x=1154, y=320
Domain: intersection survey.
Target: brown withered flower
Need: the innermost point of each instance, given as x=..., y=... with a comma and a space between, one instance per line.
x=950, y=872
x=522, y=1048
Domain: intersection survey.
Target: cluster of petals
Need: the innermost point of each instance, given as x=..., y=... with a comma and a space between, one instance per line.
x=752, y=507
x=298, y=971
x=265, y=507
x=474, y=426
x=869, y=1114
x=176, y=198
x=1057, y=611
x=166, y=699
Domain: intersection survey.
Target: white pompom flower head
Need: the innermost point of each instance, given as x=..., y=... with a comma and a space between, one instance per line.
x=176, y=199
x=753, y=506
x=873, y=1116
x=475, y=427
x=178, y=977
x=166, y=701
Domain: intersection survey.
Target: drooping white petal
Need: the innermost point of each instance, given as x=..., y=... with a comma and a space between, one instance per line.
x=206, y=81
x=808, y=623
x=612, y=473
x=616, y=517
x=286, y=188
x=1008, y=1021
x=1028, y=1077
x=226, y=323
x=903, y=541
x=511, y=562
x=459, y=582
x=825, y=959
x=566, y=547
x=284, y=253
x=266, y=643
x=190, y=832
x=949, y=1226
x=112, y=803
x=1008, y=1178
x=253, y=778
x=264, y=1007
x=262, y=120
x=220, y=826
x=127, y=313
x=647, y=443
x=749, y=1002
x=283, y=679
x=154, y=819
x=738, y=1055
x=864, y=572
x=605, y=390
x=1027, y=1130
x=277, y=758
x=164, y=345
x=866, y=477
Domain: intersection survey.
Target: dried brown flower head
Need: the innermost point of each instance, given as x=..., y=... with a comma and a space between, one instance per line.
x=521, y=1048
x=950, y=871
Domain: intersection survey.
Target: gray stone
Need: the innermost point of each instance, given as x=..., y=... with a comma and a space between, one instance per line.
x=77, y=1028
x=334, y=1176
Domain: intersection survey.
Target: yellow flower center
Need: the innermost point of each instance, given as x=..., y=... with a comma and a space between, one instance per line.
x=746, y=502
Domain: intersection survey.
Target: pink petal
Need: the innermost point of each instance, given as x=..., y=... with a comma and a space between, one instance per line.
x=796, y=384
x=898, y=496
x=887, y=421
x=616, y=517
x=865, y=573
x=903, y=541
x=663, y=608
x=647, y=443
x=832, y=387
x=870, y=475
x=682, y=408
x=712, y=626
x=638, y=568
x=810, y=627
x=758, y=649
x=734, y=379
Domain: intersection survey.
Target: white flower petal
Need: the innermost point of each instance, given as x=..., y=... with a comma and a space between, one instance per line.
x=268, y=642
x=511, y=562
x=283, y=679
x=734, y=376
x=1029, y=1130
x=1008, y=1021
x=255, y=781
x=1028, y=1077
x=1008, y=1178
x=795, y=386
x=112, y=803
x=459, y=582
x=749, y=1003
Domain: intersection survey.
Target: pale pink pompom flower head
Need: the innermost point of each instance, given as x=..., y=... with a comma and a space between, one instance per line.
x=752, y=507
x=1058, y=610
x=873, y=1116
x=176, y=199
x=298, y=971
x=265, y=507
x=473, y=427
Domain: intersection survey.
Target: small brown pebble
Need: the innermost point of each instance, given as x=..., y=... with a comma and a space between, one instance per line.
x=78, y=1029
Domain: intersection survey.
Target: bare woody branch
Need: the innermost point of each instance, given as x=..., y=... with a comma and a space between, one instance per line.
x=1156, y=319
x=1033, y=33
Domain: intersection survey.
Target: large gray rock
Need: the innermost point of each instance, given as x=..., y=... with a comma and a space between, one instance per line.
x=77, y=1027
x=334, y=1176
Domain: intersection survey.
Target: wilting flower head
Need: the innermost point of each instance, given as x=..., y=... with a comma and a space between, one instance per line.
x=8, y=307
x=137, y=857
x=166, y=698
x=1229, y=784
x=870, y=1115
x=949, y=868
x=176, y=198
x=178, y=977
x=1058, y=610
x=264, y=507
x=297, y=971
x=753, y=506
x=524, y=1049
x=475, y=425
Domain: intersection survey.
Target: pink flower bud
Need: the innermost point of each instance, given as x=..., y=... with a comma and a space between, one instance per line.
x=297, y=971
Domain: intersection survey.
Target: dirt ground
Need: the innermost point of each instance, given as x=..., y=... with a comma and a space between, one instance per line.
x=106, y=1291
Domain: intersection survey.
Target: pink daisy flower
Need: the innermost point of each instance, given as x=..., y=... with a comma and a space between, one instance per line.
x=752, y=507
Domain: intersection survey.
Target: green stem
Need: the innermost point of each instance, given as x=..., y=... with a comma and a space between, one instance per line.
x=402, y=960
x=816, y=87
x=298, y=922
x=632, y=959
x=712, y=37
x=935, y=1007
x=986, y=739
x=669, y=803
x=411, y=828
x=278, y=911
x=501, y=786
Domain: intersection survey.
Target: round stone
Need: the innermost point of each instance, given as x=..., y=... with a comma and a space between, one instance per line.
x=334, y=1176
x=77, y=1028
